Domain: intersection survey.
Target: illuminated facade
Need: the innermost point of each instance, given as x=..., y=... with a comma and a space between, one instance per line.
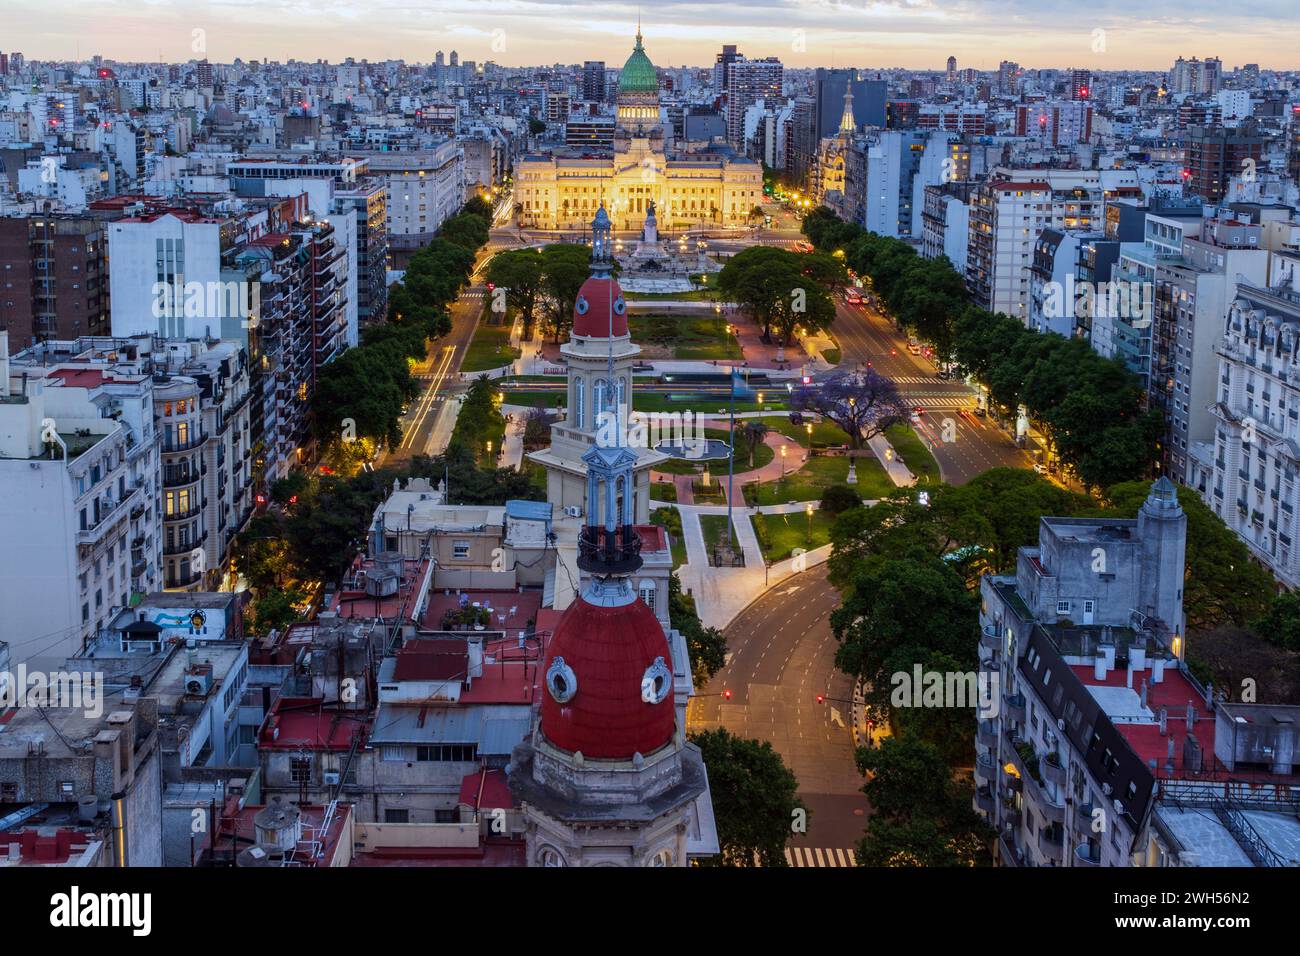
x=688, y=189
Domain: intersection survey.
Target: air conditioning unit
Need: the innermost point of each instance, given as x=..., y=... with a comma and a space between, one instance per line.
x=331, y=778
x=573, y=511
x=197, y=685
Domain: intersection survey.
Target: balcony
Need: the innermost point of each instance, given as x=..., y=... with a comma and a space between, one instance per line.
x=1087, y=854
x=991, y=665
x=986, y=735
x=178, y=582
x=1008, y=853
x=171, y=550
x=1053, y=768
x=196, y=438
x=1016, y=706
x=185, y=514
x=183, y=477
x=1051, y=844
x=989, y=639
x=984, y=801
x=1083, y=817
x=986, y=769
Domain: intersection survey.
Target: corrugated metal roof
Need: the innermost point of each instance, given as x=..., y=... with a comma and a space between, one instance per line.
x=495, y=728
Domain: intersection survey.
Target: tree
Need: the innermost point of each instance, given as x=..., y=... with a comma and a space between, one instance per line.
x=274, y=610
x=1280, y=624
x=838, y=499
x=754, y=798
x=894, y=614
x=754, y=430
x=862, y=405
x=922, y=816
x=519, y=273
x=565, y=267
x=537, y=428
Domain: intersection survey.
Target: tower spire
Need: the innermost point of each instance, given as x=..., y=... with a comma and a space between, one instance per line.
x=847, y=123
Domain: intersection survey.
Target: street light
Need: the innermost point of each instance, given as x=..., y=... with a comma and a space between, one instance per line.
x=782, y=463
x=808, y=510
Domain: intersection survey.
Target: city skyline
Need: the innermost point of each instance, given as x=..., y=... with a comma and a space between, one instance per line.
x=909, y=35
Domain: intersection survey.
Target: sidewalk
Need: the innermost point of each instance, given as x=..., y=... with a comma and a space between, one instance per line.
x=885, y=454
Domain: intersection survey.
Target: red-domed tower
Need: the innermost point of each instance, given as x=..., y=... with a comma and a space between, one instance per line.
x=608, y=777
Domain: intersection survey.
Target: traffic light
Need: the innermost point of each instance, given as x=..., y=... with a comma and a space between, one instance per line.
x=821, y=698
x=726, y=695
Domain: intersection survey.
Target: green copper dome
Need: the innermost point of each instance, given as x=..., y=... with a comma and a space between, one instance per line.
x=638, y=74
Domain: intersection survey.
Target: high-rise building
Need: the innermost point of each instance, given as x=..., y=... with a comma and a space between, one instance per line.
x=593, y=81
x=952, y=68
x=1216, y=154
x=1080, y=84
x=749, y=81
x=54, y=283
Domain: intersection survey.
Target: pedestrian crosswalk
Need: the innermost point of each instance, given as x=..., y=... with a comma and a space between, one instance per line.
x=913, y=379
x=817, y=856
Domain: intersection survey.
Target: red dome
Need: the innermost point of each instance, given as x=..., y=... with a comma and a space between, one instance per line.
x=591, y=311
x=608, y=654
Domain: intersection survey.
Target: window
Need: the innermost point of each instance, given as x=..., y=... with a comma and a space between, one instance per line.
x=454, y=753
x=300, y=769
x=646, y=590
x=1062, y=607
x=395, y=815
x=460, y=550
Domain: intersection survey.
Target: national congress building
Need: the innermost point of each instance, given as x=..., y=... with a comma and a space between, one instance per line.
x=708, y=187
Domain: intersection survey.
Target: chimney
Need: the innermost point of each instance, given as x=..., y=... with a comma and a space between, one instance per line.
x=1209, y=696
x=1157, y=670
x=1143, y=694
x=1191, y=716
x=1099, y=667
x=1164, y=722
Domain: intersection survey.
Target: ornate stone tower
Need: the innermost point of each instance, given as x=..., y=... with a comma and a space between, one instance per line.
x=607, y=778
x=600, y=354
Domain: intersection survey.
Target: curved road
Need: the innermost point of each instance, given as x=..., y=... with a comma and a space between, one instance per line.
x=782, y=657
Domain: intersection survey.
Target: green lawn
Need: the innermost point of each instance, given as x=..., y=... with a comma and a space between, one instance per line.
x=823, y=433
x=670, y=519
x=816, y=476
x=915, y=455
x=490, y=348
x=693, y=295
x=714, y=528
x=689, y=336
x=831, y=355
x=779, y=535
x=663, y=491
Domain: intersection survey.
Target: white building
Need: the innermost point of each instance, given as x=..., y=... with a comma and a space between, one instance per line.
x=79, y=471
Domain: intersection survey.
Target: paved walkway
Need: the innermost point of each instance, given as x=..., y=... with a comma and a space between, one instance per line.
x=899, y=473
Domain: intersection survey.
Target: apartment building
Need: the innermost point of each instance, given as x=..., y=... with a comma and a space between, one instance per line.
x=79, y=465
x=422, y=189
x=1012, y=207
x=1247, y=472
x=202, y=403
x=1191, y=298
x=1084, y=641
x=53, y=278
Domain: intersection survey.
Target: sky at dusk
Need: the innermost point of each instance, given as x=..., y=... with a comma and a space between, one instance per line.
x=919, y=34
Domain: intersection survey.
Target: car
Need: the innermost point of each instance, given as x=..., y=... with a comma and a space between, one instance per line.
x=1039, y=469
x=853, y=298
x=981, y=411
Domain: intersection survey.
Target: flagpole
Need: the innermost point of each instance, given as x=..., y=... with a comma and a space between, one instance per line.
x=731, y=457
